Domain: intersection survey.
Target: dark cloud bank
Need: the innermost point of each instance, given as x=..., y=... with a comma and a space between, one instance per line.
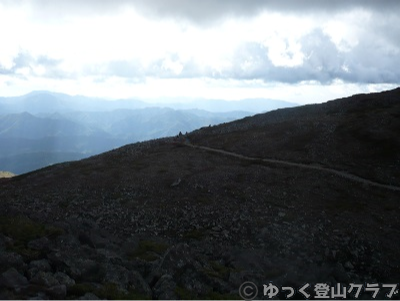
x=209, y=10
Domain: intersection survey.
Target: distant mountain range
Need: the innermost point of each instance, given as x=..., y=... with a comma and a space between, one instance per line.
x=43, y=128
x=50, y=102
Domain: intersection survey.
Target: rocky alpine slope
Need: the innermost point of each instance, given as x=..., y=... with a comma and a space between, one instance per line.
x=163, y=219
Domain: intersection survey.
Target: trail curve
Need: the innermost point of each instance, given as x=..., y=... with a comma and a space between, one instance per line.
x=299, y=165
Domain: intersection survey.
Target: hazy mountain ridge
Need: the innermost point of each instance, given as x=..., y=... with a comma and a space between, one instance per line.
x=47, y=122
x=25, y=125
x=166, y=215
x=88, y=133
x=49, y=102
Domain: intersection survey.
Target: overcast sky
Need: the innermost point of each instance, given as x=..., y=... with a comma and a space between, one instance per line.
x=302, y=51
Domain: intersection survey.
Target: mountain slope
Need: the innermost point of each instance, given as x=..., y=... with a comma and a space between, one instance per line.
x=182, y=221
x=358, y=134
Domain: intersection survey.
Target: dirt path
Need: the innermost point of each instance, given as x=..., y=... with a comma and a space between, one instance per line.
x=300, y=165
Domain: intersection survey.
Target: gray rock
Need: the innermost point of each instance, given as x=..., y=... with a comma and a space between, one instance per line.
x=40, y=265
x=40, y=244
x=176, y=182
x=57, y=291
x=194, y=281
x=164, y=289
x=77, y=266
x=339, y=273
x=85, y=270
x=138, y=284
x=118, y=275
x=4, y=242
x=57, y=261
x=85, y=239
x=13, y=279
x=238, y=277
x=174, y=258
x=36, y=266
x=101, y=242
x=89, y=296
x=31, y=273
x=130, y=245
x=39, y=296
x=126, y=279
x=11, y=260
x=67, y=240
x=7, y=295
x=63, y=278
x=348, y=265
x=44, y=278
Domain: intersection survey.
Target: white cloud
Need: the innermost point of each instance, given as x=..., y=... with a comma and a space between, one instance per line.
x=99, y=47
x=346, y=28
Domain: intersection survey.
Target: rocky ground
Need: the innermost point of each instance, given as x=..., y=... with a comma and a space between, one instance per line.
x=161, y=220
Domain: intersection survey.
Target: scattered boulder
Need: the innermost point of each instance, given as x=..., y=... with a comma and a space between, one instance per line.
x=89, y=296
x=7, y=295
x=126, y=279
x=11, y=260
x=40, y=265
x=86, y=240
x=40, y=244
x=164, y=289
x=57, y=291
x=63, y=278
x=45, y=279
x=13, y=279
x=39, y=296
x=176, y=182
x=85, y=269
x=5, y=241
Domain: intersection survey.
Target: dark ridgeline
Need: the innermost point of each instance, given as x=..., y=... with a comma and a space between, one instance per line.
x=170, y=219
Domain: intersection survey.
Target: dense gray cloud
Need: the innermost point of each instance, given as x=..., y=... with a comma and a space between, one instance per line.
x=324, y=62
x=205, y=10
x=211, y=10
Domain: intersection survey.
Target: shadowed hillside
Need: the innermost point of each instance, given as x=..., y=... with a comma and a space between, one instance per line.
x=177, y=218
x=358, y=134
